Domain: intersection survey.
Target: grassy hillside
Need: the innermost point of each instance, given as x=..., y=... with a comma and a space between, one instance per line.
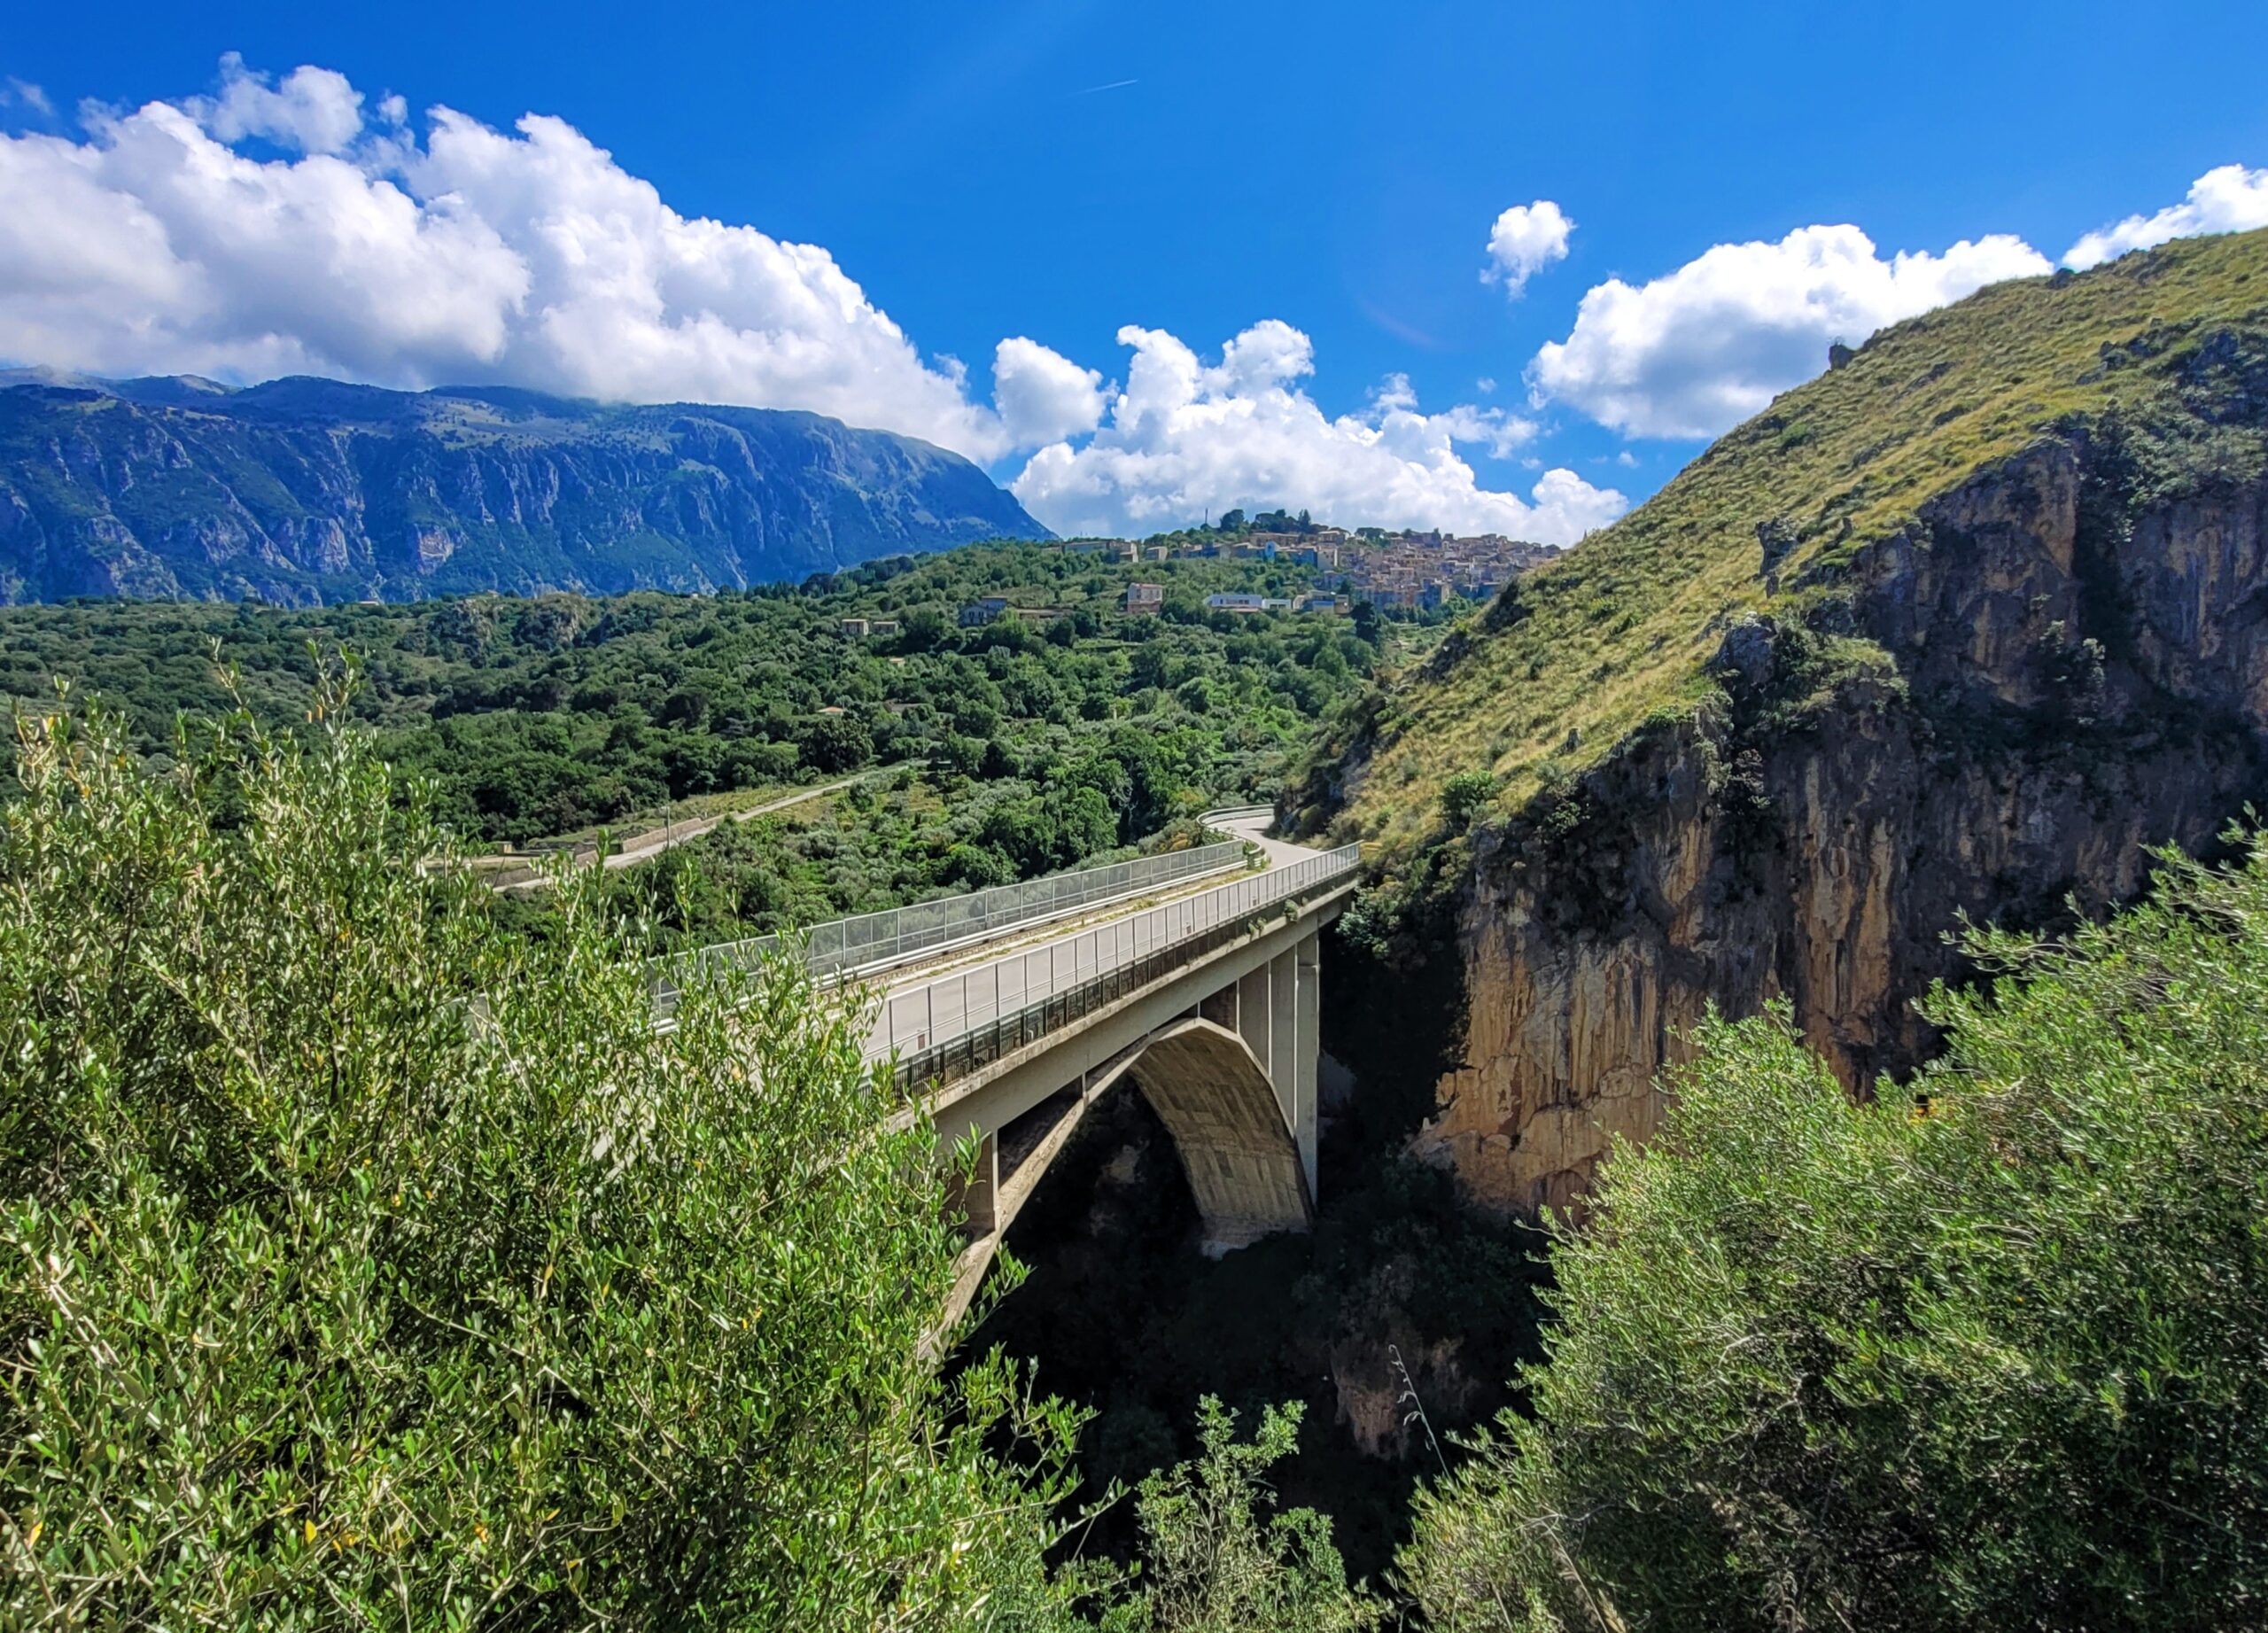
x=1580, y=653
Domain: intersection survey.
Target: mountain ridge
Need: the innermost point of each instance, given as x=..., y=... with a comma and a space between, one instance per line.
x=302, y=490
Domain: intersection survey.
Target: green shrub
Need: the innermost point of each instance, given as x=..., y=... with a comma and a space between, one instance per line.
x=1982, y=1353
x=1213, y=1562
x=1465, y=797
x=367, y=1266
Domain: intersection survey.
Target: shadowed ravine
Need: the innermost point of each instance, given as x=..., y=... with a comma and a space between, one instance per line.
x=1123, y=1313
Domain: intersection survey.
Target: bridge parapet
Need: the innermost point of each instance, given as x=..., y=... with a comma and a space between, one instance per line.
x=877, y=940
x=945, y=1029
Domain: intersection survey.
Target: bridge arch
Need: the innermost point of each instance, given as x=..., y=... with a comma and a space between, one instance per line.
x=1217, y=1102
x=1211, y=1004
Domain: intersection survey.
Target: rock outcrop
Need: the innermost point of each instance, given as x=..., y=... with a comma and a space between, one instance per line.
x=1993, y=714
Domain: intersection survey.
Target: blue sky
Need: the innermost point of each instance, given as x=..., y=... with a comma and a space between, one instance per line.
x=1059, y=170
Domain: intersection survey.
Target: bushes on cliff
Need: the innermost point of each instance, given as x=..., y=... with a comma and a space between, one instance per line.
x=1985, y=1353
x=1465, y=797
x=361, y=1265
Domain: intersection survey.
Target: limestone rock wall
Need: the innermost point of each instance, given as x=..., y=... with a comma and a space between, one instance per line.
x=2074, y=673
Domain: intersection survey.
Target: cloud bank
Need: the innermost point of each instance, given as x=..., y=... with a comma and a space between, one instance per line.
x=350, y=248
x=1695, y=352
x=1185, y=439
x=2230, y=198
x=294, y=225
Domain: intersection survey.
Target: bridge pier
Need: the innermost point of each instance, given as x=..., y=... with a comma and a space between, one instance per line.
x=975, y=1197
x=1223, y=1045
x=1276, y=1010
x=1306, y=1062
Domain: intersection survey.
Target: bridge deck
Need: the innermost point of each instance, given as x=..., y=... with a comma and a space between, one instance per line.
x=972, y=980
x=973, y=1014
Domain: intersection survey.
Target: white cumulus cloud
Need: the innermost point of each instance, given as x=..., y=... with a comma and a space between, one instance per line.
x=1043, y=395
x=1526, y=240
x=314, y=111
x=1700, y=349
x=155, y=243
x=2227, y=198
x=1186, y=439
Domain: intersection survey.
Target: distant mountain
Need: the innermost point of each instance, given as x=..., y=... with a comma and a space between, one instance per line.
x=303, y=491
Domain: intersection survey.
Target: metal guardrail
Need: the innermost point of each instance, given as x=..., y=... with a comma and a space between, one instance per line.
x=946, y=1028
x=872, y=939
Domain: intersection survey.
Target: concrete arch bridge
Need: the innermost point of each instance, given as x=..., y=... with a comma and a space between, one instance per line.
x=1198, y=976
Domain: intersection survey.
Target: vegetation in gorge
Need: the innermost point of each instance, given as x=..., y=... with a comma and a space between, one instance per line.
x=1981, y=1354
x=1216, y=1564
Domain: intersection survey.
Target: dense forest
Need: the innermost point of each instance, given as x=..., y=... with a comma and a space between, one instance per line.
x=971, y=755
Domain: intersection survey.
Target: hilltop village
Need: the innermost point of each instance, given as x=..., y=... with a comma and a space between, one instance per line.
x=1406, y=571
x=1393, y=569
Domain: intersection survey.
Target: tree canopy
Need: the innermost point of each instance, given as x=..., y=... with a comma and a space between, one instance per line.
x=369, y=1266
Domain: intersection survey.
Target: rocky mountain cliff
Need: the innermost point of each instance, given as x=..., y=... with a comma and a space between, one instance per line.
x=1961, y=628
x=303, y=491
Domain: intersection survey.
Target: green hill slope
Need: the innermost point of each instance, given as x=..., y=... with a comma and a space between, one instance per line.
x=1581, y=653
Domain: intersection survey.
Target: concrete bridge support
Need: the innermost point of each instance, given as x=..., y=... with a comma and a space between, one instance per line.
x=1277, y=1008
x=1233, y=1079
x=1223, y=1111
x=976, y=1196
x=1225, y=1050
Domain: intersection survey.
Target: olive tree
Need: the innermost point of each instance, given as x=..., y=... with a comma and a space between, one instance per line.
x=367, y=1266
x=1215, y=1560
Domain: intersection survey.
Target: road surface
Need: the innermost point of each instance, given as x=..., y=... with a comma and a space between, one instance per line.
x=1249, y=827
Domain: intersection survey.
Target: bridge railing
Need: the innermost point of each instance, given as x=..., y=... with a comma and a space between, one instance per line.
x=945, y=1028
x=872, y=939
x=1219, y=815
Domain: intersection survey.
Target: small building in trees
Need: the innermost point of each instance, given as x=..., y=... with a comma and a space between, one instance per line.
x=983, y=609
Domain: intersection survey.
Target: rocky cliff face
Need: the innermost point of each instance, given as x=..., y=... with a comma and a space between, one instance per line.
x=309, y=491
x=1994, y=712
